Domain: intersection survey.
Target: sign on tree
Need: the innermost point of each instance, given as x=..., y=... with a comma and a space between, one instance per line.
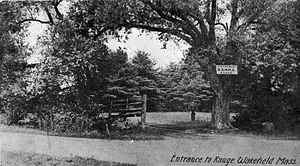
x=227, y=69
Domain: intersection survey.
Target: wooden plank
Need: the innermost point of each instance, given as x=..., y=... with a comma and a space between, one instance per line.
x=127, y=100
x=125, y=104
x=133, y=113
x=143, y=116
x=113, y=110
x=135, y=103
x=136, y=98
x=127, y=114
x=120, y=100
x=130, y=107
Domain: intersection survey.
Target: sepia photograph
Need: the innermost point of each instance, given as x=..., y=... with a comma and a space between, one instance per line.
x=149, y=82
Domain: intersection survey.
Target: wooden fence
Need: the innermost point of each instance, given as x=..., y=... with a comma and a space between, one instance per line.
x=129, y=107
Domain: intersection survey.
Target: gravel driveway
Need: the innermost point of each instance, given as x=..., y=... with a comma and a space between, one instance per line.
x=171, y=151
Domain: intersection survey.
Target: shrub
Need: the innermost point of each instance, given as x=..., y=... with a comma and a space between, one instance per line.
x=282, y=111
x=248, y=120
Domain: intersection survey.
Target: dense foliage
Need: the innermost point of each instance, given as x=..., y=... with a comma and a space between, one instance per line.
x=78, y=75
x=270, y=92
x=185, y=89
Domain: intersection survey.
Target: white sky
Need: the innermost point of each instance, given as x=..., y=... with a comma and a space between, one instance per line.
x=150, y=44
x=136, y=42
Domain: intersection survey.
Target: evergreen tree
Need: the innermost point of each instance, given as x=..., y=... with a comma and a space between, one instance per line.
x=185, y=89
x=137, y=78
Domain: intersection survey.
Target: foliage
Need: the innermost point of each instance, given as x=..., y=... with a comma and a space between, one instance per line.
x=192, y=21
x=13, y=54
x=137, y=78
x=79, y=73
x=66, y=91
x=185, y=89
x=272, y=70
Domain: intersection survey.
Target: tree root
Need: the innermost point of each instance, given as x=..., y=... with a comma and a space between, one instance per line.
x=226, y=126
x=230, y=126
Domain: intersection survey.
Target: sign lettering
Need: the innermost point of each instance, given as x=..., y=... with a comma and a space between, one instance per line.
x=227, y=69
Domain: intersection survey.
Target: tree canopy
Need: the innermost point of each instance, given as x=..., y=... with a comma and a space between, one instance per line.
x=260, y=36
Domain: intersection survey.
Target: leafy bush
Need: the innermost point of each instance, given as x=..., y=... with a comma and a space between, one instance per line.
x=71, y=122
x=248, y=120
x=121, y=124
x=283, y=111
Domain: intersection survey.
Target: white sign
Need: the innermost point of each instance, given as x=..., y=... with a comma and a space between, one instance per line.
x=227, y=69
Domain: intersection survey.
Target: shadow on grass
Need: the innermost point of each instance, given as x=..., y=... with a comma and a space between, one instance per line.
x=135, y=133
x=197, y=130
x=190, y=130
x=204, y=131
x=276, y=135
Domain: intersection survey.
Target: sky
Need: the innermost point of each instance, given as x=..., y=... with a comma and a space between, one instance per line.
x=137, y=41
x=150, y=44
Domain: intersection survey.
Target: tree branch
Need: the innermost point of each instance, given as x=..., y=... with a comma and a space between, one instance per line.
x=58, y=13
x=234, y=15
x=213, y=14
x=252, y=18
x=163, y=30
x=223, y=25
x=196, y=34
x=202, y=25
x=33, y=19
x=49, y=15
x=182, y=23
x=55, y=4
x=207, y=14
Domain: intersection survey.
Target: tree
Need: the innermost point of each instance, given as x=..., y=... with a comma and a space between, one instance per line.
x=15, y=17
x=8, y=28
x=269, y=90
x=148, y=82
x=71, y=78
x=138, y=77
x=82, y=67
x=184, y=88
x=193, y=21
x=13, y=51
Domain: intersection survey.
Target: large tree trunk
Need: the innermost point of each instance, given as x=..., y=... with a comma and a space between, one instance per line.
x=221, y=111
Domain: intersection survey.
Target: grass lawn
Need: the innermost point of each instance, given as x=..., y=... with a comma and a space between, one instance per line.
x=173, y=117
x=150, y=133
x=130, y=134
x=32, y=159
x=160, y=124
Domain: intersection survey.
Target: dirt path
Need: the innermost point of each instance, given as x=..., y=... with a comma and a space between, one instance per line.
x=154, y=152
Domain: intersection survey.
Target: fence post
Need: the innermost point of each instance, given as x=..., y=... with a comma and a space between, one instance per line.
x=109, y=123
x=193, y=114
x=143, y=116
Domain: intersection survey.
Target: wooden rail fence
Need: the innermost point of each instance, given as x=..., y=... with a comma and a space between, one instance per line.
x=129, y=107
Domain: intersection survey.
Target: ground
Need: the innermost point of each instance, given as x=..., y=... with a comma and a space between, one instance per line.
x=170, y=151
x=30, y=159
